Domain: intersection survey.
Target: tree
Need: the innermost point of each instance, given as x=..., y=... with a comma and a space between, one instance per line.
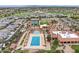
x=54, y=45
x=49, y=38
x=54, y=21
x=47, y=30
x=55, y=42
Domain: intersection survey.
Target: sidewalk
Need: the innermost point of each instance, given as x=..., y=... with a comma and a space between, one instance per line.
x=68, y=49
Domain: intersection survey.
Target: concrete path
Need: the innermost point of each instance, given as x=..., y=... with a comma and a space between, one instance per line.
x=68, y=49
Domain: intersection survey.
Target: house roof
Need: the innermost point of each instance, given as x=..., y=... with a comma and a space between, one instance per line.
x=66, y=34
x=11, y=27
x=3, y=35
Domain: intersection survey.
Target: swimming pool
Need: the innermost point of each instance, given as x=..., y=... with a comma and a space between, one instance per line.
x=36, y=32
x=35, y=41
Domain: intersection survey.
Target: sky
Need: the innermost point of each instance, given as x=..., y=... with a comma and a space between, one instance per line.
x=39, y=2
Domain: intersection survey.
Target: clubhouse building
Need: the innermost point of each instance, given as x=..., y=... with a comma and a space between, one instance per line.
x=65, y=37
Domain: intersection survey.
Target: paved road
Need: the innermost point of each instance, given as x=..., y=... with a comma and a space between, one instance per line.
x=21, y=39
x=25, y=39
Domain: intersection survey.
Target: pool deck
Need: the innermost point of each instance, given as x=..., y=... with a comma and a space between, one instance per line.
x=42, y=43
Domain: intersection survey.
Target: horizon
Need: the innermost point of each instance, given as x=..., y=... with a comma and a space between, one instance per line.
x=9, y=6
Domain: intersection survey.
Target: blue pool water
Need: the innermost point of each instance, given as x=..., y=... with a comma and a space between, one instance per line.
x=35, y=41
x=36, y=32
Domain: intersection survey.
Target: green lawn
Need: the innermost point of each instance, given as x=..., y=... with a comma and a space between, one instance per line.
x=76, y=48
x=43, y=22
x=21, y=14
x=16, y=14
x=75, y=16
x=65, y=13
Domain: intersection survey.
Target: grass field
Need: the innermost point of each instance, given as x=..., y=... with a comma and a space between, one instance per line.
x=43, y=22
x=76, y=48
x=65, y=13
